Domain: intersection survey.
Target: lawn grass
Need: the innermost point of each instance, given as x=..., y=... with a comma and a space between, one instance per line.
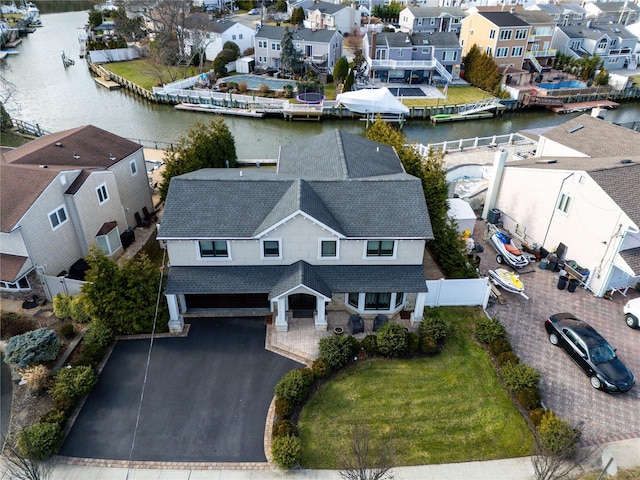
x=144, y=73
x=448, y=408
x=456, y=95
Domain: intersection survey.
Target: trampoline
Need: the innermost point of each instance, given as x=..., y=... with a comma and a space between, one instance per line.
x=311, y=97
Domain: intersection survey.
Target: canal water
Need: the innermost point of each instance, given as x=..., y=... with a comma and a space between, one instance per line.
x=41, y=90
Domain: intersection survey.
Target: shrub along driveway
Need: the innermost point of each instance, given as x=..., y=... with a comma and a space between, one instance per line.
x=206, y=397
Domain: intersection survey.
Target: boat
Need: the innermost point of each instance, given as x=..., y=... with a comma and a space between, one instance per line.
x=507, y=251
x=507, y=280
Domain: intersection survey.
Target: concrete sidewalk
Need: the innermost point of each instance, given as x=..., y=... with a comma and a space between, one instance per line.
x=625, y=452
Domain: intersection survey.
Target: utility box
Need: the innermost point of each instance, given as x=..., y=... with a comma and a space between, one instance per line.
x=494, y=216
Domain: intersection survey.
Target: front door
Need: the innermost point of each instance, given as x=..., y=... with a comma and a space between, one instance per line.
x=302, y=305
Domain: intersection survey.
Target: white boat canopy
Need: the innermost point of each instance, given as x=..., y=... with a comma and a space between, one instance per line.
x=372, y=100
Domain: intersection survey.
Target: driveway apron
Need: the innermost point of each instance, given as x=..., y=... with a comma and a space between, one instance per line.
x=206, y=397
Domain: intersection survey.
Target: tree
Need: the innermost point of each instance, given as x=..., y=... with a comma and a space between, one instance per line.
x=349, y=81
x=233, y=47
x=33, y=347
x=124, y=297
x=364, y=460
x=205, y=146
x=481, y=71
x=341, y=69
x=587, y=66
x=290, y=57
x=222, y=59
x=297, y=16
x=95, y=18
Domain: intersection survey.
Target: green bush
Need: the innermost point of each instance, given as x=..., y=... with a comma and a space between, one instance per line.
x=62, y=305
x=489, y=329
x=413, y=342
x=286, y=451
x=536, y=416
x=67, y=330
x=529, y=398
x=72, y=383
x=337, y=351
x=99, y=334
x=308, y=375
x=33, y=347
x=435, y=327
x=91, y=356
x=428, y=345
x=321, y=368
x=499, y=345
x=55, y=416
x=507, y=357
x=392, y=340
x=294, y=387
x=519, y=377
x=284, y=428
x=78, y=309
x=370, y=344
x=283, y=408
x=40, y=441
x=556, y=435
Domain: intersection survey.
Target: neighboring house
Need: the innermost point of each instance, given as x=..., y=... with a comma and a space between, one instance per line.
x=613, y=43
x=212, y=33
x=563, y=14
x=581, y=192
x=436, y=19
x=62, y=193
x=338, y=225
x=539, y=53
x=503, y=35
x=320, y=48
x=331, y=16
x=625, y=13
x=400, y=57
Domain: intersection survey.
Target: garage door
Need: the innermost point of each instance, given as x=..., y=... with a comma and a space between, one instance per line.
x=239, y=300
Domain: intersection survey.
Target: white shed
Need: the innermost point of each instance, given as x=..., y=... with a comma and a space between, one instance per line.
x=245, y=64
x=463, y=214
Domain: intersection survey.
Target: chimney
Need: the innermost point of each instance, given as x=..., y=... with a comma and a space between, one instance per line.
x=374, y=36
x=513, y=10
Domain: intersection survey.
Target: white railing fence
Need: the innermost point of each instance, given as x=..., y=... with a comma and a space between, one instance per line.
x=56, y=285
x=477, y=142
x=458, y=292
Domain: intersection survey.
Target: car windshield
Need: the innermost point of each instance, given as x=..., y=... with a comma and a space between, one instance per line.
x=602, y=353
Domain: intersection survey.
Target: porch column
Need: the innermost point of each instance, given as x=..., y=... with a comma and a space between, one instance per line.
x=176, y=321
x=183, y=303
x=281, y=318
x=321, y=316
x=418, y=312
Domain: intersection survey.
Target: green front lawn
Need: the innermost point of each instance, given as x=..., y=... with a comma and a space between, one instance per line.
x=449, y=408
x=456, y=95
x=146, y=74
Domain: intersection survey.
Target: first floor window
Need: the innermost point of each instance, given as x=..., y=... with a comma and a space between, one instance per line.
x=58, y=217
x=380, y=248
x=353, y=299
x=501, y=52
x=516, y=51
x=377, y=301
x=399, y=299
x=21, y=284
x=213, y=248
x=109, y=243
x=271, y=248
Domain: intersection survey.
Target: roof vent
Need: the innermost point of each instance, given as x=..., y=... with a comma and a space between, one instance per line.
x=58, y=144
x=575, y=129
x=546, y=162
x=626, y=160
x=43, y=166
x=75, y=155
x=112, y=157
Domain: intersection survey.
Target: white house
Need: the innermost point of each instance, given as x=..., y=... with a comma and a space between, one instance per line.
x=579, y=191
x=332, y=16
x=337, y=225
x=212, y=33
x=62, y=193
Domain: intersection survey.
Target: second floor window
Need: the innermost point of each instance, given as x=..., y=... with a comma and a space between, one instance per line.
x=262, y=44
x=501, y=52
x=328, y=248
x=564, y=203
x=133, y=167
x=505, y=35
x=521, y=34
x=271, y=249
x=214, y=248
x=602, y=44
x=516, y=51
x=275, y=46
x=58, y=217
x=380, y=248
x=492, y=34
x=103, y=196
x=450, y=56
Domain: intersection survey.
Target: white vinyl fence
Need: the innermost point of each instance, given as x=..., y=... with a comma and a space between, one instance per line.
x=454, y=292
x=56, y=285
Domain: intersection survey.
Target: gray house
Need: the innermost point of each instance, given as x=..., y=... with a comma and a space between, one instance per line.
x=431, y=19
x=62, y=193
x=332, y=16
x=320, y=48
x=338, y=225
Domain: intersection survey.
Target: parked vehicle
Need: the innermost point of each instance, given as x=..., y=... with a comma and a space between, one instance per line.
x=254, y=11
x=590, y=351
x=507, y=251
x=632, y=313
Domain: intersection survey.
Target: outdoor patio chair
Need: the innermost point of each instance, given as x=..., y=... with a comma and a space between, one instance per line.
x=356, y=325
x=379, y=321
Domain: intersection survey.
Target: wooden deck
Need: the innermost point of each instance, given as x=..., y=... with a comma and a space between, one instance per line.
x=582, y=106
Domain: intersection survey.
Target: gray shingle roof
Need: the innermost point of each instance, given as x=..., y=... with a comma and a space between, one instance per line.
x=436, y=39
x=276, y=279
x=614, y=30
x=534, y=16
x=632, y=257
x=305, y=34
x=504, y=19
x=436, y=12
x=326, y=7
x=621, y=184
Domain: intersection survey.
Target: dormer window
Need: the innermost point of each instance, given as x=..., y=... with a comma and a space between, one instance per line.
x=213, y=248
x=380, y=248
x=271, y=249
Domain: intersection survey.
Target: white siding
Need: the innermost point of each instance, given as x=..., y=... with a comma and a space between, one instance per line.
x=133, y=190
x=13, y=244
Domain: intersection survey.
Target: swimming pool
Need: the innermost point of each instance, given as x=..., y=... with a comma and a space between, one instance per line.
x=565, y=84
x=254, y=81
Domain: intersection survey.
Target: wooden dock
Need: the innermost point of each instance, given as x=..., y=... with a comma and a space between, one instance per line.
x=582, y=106
x=108, y=84
x=456, y=117
x=241, y=112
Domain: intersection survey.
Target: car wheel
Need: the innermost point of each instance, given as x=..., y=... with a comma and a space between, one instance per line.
x=499, y=259
x=595, y=382
x=632, y=321
x=553, y=338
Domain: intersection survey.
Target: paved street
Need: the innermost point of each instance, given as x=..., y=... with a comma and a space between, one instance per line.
x=564, y=387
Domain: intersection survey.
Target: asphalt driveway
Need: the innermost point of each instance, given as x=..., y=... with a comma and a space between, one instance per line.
x=563, y=385
x=206, y=397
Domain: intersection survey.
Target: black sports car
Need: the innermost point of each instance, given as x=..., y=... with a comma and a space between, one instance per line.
x=590, y=351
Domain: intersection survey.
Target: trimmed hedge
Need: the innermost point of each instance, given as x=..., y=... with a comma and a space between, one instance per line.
x=286, y=451
x=70, y=384
x=556, y=435
x=283, y=407
x=284, y=428
x=338, y=351
x=294, y=386
x=519, y=377
x=529, y=398
x=392, y=340
x=62, y=305
x=40, y=441
x=499, y=345
x=507, y=357
x=320, y=368
x=370, y=344
x=489, y=329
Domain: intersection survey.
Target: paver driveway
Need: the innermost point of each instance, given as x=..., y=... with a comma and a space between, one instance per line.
x=206, y=397
x=564, y=387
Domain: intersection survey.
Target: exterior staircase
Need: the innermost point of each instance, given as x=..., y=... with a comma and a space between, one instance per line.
x=479, y=106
